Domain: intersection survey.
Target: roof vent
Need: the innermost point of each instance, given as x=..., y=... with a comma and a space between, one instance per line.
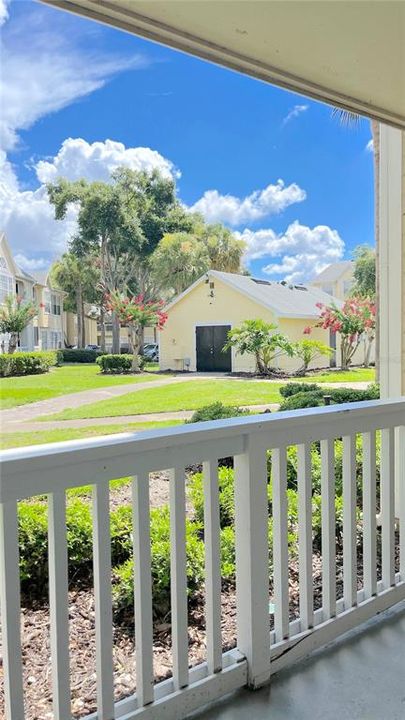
x=301, y=287
x=261, y=282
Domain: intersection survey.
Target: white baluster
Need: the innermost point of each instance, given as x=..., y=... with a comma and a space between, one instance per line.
x=369, y=515
x=11, y=611
x=102, y=598
x=305, y=536
x=328, y=492
x=178, y=577
x=212, y=566
x=349, y=522
x=58, y=603
x=387, y=484
x=280, y=543
x=252, y=560
x=143, y=590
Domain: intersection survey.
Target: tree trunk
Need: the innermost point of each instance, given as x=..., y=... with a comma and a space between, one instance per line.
x=12, y=343
x=116, y=345
x=102, y=328
x=141, y=340
x=79, y=313
x=375, y=129
x=83, y=325
x=135, y=332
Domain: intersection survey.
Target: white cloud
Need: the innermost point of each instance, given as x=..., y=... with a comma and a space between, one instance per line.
x=44, y=70
x=261, y=203
x=31, y=263
x=3, y=12
x=300, y=252
x=296, y=110
x=370, y=146
x=95, y=161
x=27, y=216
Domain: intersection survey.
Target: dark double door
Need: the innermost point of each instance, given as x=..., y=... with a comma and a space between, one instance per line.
x=210, y=340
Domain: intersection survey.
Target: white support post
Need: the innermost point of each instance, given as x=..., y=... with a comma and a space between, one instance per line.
x=252, y=561
x=391, y=267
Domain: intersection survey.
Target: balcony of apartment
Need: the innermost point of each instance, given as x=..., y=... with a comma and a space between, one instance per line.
x=346, y=604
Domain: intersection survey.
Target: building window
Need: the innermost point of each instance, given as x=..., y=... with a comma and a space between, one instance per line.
x=347, y=286
x=47, y=302
x=55, y=301
x=44, y=340
x=6, y=284
x=36, y=336
x=55, y=340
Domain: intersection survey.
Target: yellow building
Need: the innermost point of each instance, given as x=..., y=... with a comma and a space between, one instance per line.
x=200, y=318
x=70, y=327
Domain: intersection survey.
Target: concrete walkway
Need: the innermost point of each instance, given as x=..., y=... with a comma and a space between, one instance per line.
x=33, y=426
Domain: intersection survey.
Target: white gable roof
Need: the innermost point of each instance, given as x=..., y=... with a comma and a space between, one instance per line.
x=290, y=301
x=334, y=271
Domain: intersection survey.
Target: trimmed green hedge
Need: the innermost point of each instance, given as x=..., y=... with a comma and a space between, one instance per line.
x=71, y=355
x=119, y=364
x=216, y=411
x=28, y=363
x=316, y=398
x=292, y=388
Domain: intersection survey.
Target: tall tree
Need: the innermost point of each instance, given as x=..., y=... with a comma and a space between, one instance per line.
x=224, y=249
x=178, y=260
x=79, y=278
x=121, y=223
x=364, y=272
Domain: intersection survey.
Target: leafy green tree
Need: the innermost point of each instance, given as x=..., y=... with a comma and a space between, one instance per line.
x=261, y=339
x=225, y=251
x=364, y=272
x=308, y=351
x=15, y=314
x=79, y=279
x=178, y=260
x=120, y=224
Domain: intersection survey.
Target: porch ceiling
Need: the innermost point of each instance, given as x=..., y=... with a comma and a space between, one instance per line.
x=348, y=53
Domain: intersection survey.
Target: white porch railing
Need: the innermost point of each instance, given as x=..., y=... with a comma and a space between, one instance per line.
x=53, y=469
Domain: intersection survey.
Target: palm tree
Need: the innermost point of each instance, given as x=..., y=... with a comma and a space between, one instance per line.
x=347, y=117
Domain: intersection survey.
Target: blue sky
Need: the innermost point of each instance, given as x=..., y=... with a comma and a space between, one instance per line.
x=69, y=83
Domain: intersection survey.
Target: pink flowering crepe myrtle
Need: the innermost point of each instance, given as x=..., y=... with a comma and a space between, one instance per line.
x=353, y=321
x=137, y=313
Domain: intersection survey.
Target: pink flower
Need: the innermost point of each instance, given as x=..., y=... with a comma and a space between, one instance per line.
x=307, y=330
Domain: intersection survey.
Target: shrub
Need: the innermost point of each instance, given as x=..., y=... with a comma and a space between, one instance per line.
x=226, y=496
x=123, y=588
x=33, y=535
x=118, y=364
x=292, y=388
x=303, y=400
x=216, y=411
x=71, y=355
x=316, y=398
x=28, y=363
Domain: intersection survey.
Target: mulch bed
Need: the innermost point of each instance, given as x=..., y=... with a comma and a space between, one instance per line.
x=36, y=644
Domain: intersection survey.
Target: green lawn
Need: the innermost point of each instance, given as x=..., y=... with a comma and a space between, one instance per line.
x=334, y=376
x=61, y=381
x=22, y=439
x=178, y=396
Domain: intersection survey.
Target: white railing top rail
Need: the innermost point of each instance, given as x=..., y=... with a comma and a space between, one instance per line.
x=35, y=470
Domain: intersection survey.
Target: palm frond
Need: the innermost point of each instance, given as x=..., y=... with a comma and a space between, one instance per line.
x=346, y=117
